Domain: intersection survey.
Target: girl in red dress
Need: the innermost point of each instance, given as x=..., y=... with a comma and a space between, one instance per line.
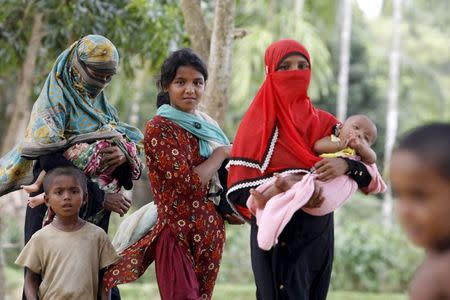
x=184, y=149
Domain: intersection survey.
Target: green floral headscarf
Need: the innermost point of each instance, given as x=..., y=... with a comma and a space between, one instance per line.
x=67, y=111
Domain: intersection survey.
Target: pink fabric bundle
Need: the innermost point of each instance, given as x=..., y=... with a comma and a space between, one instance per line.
x=272, y=219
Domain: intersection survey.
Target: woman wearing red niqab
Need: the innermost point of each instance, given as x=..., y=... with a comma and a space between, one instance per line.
x=277, y=135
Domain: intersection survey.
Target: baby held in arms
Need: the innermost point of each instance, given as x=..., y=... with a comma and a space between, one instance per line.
x=352, y=139
x=92, y=159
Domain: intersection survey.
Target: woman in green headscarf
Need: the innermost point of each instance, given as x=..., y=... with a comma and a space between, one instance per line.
x=71, y=109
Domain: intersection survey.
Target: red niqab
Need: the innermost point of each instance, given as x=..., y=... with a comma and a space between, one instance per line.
x=281, y=125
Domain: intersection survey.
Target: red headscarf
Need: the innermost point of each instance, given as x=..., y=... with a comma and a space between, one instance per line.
x=281, y=125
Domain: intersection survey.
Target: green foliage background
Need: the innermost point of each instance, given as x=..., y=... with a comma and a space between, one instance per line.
x=367, y=257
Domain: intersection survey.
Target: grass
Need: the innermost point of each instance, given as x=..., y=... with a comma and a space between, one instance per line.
x=244, y=292
x=344, y=295
x=149, y=291
x=14, y=280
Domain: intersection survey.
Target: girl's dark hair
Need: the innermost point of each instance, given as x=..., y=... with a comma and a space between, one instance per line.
x=182, y=57
x=431, y=143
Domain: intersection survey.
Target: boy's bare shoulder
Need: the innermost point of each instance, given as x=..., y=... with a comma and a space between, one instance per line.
x=432, y=278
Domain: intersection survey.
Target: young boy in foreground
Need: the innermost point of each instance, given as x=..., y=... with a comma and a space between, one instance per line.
x=65, y=258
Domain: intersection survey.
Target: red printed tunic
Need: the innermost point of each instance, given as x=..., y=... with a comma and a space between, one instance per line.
x=182, y=204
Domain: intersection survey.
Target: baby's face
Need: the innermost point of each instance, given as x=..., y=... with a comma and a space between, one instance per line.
x=422, y=200
x=359, y=127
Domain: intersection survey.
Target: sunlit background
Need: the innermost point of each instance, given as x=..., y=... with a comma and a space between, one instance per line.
x=387, y=59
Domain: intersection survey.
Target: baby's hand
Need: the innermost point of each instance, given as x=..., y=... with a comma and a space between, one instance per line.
x=352, y=140
x=36, y=200
x=355, y=142
x=345, y=143
x=359, y=145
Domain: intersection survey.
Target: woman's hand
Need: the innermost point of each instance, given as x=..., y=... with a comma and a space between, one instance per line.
x=206, y=169
x=330, y=168
x=317, y=198
x=111, y=158
x=117, y=203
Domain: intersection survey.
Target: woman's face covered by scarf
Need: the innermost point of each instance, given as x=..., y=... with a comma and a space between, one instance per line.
x=94, y=62
x=288, y=123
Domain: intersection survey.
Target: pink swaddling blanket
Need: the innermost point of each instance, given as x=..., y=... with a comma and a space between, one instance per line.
x=272, y=219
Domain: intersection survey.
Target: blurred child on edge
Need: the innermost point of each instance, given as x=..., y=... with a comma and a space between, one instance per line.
x=420, y=178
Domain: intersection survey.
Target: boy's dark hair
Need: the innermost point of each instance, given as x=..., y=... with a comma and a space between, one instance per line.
x=432, y=143
x=65, y=171
x=179, y=58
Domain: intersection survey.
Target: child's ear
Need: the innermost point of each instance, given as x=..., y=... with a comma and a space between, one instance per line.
x=85, y=199
x=46, y=200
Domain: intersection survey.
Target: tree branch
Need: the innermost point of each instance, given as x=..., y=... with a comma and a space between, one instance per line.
x=240, y=33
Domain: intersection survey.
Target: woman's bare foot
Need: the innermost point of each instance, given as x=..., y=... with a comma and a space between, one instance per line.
x=31, y=188
x=36, y=200
x=34, y=187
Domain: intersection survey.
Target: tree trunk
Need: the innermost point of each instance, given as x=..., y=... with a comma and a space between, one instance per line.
x=219, y=66
x=344, y=59
x=392, y=113
x=138, y=86
x=298, y=9
x=198, y=31
x=21, y=111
